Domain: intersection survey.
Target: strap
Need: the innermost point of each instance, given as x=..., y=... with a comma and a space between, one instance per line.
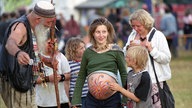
x=152, y=63
x=151, y=35
x=151, y=58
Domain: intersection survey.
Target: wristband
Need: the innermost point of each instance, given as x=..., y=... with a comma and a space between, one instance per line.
x=62, y=77
x=46, y=78
x=16, y=54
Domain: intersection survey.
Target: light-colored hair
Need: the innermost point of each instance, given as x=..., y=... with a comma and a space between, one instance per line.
x=143, y=17
x=139, y=54
x=71, y=47
x=101, y=21
x=42, y=34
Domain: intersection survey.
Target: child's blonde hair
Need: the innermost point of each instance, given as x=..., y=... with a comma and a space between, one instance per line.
x=71, y=47
x=139, y=54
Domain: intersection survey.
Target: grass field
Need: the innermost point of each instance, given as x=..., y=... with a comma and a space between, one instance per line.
x=180, y=84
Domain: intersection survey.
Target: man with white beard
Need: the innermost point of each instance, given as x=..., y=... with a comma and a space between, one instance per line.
x=20, y=51
x=41, y=33
x=45, y=92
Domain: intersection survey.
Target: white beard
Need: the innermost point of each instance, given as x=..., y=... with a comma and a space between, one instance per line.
x=42, y=34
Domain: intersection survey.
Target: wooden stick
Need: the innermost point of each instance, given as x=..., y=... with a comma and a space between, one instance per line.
x=52, y=34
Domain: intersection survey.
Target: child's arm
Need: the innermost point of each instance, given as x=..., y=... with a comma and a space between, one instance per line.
x=117, y=87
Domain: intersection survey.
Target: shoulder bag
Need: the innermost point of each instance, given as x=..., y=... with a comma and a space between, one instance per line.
x=166, y=97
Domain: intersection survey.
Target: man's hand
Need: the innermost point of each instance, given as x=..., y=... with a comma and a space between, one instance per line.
x=23, y=58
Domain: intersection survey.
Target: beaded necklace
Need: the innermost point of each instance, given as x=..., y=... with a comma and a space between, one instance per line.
x=101, y=48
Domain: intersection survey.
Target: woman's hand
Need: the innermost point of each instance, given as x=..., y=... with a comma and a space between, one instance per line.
x=51, y=78
x=135, y=43
x=148, y=46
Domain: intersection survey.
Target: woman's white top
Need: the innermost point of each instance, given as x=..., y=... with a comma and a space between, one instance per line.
x=160, y=53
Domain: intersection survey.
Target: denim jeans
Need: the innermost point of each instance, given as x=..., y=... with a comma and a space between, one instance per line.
x=63, y=105
x=112, y=102
x=188, y=45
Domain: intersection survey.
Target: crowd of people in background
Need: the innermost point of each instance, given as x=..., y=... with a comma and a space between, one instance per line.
x=169, y=27
x=119, y=18
x=187, y=29
x=85, y=59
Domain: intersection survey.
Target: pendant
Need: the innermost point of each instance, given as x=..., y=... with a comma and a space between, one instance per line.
x=142, y=39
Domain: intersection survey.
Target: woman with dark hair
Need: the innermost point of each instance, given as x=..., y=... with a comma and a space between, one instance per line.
x=100, y=64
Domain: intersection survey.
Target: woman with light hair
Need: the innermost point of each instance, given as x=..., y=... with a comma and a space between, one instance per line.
x=142, y=23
